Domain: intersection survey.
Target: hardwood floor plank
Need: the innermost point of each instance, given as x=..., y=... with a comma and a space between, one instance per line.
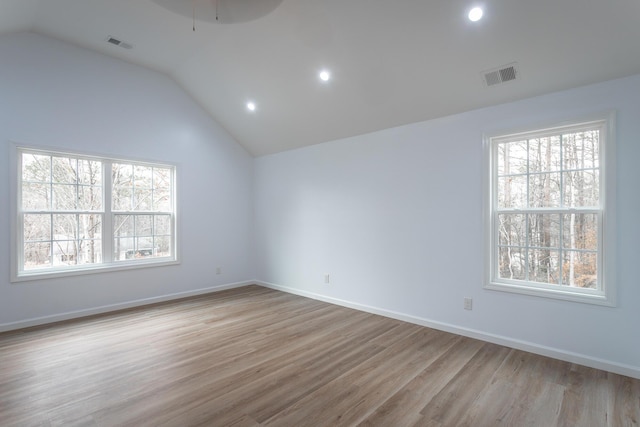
x=237, y=381
x=624, y=401
x=451, y=403
x=585, y=398
x=403, y=408
x=385, y=372
x=253, y=356
x=517, y=395
x=267, y=395
x=262, y=398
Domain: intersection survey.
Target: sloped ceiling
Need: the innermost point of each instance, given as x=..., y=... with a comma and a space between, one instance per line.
x=392, y=62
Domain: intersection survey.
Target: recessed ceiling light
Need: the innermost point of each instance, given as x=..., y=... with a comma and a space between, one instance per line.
x=324, y=75
x=251, y=106
x=475, y=14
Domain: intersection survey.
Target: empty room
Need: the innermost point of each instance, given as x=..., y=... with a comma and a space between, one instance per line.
x=319, y=213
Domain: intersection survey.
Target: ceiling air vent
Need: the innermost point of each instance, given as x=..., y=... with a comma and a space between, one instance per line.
x=117, y=42
x=499, y=75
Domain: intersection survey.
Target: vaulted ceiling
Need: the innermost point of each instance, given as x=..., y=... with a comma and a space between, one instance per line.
x=391, y=62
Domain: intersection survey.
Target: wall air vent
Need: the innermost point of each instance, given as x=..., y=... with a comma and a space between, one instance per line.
x=500, y=75
x=120, y=43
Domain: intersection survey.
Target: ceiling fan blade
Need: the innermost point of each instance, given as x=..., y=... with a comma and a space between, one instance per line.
x=221, y=11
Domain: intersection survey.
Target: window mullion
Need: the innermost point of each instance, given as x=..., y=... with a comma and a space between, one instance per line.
x=493, y=215
x=51, y=228
x=562, y=205
x=107, y=215
x=526, y=216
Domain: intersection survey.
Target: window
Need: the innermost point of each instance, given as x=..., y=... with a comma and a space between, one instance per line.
x=80, y=213
x=551, y=212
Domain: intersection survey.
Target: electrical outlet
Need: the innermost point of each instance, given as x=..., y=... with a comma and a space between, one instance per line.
x=218, y=270
x=468, y=304
x=326, y=278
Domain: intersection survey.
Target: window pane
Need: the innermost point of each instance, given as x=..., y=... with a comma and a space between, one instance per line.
x=580, y=269
x=90, y=198
x=163, y=246
x=544, y=154
x=142, y=200
x=512, y=158
x=37, y=255
x=144, y=244
x=36, y=167
x=581, y=188
x=65, y=227
x=512, y=230
x=162, y=189
x=123, y=248
x=544, y=190
x=544, y=266
x=511, y=263
x=37, y=227
x=64, y=170
x=65, y=252
x=89, y=172
x=512, y=192
x=148, y=236
x=144, y=225
x=122, y=198
x=162, y=178
x=544, y=230
x=123, y=225
x=162, y=225
x=35, y=196
x=90, y=251
x=580, y=231
x=122, y=192
x=143, y=176
x=90, y=226
x=122, y=175
x=581, y=150
x=162, y=200
x=64, y=197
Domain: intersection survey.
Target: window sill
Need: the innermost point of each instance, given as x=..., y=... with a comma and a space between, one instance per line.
x=584, y=296
x=103, y=268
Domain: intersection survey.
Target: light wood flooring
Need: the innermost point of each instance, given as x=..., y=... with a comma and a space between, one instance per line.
x=257, y=357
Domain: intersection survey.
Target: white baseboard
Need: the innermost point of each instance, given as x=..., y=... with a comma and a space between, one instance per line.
x=567, y=356
x=4, y=327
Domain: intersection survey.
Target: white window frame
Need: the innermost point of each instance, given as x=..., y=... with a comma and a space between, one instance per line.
x=606, y=292
x=18, y=274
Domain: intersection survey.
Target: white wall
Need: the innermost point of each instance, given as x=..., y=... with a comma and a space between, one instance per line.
x=57, y=95
x=395, y=217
